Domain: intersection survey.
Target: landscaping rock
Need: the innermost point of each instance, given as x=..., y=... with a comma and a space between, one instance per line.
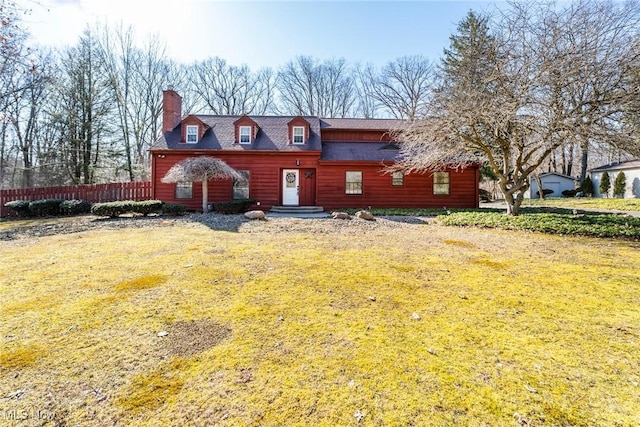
x=340, y=215
x=366, y=215
x=255, y=215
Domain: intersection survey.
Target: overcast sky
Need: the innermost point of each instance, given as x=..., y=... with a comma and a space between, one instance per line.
x=264, y=33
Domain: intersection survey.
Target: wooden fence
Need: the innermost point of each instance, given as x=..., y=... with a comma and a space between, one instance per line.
x=93, y=193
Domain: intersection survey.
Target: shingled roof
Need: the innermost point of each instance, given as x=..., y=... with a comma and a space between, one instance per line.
x=272, y=135
x=360, y=151
x=629, y=164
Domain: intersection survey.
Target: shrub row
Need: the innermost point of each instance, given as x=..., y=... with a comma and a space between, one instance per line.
x=234, y=206
x=114, y=209
x=48, y=207
x=173, y=209
x=590, y=224
x=54, y=207
x=75, y=207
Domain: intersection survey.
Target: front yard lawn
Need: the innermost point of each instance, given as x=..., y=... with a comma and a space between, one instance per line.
x=417, y=325
x=587, y=203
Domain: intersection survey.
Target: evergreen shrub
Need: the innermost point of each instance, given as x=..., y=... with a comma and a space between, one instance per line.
x=45, y=207
x=19, y=207
x=234, y=206
x=75, y=207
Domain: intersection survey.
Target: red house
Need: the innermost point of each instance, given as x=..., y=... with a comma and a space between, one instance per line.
x=301, y=161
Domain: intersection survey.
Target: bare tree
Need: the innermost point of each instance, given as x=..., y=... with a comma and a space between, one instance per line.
x=309, y=87
x=21, y=77
x=136, y=77
x=26, y=116
x=16, y=58
x=203, y=168
x=403, y=86
x=366, y=105
x=82, y=108
x=600, y=38
x=510, y=110
x=228, y=89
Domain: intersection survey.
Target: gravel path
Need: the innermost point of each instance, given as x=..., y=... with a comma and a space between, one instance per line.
x=234, y=223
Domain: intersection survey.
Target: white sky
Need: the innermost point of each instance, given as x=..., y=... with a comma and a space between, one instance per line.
x=263, y=33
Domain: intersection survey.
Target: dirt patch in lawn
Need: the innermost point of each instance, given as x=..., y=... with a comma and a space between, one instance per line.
x=187, y=338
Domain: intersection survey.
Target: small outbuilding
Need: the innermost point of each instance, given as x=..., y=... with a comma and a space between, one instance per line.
x=554, y=181
x=631, y=169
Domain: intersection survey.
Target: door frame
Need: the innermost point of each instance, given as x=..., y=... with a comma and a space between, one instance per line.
x=287, y=191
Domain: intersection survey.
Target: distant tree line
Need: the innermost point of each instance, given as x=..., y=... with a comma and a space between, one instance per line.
x=89, y=113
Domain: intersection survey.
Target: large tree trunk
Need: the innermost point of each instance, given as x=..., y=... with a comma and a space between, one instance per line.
x=513, y=203
x=205, y=195
x=513, y=197
x=540, y=189
x=584, y=160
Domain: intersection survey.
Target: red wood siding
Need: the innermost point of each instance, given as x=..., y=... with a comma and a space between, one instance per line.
x=355, y=135
x=265, y=175
x=328, y=187
x=377, y=191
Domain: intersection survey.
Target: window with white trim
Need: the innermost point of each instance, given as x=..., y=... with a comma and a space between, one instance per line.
x=353, y=182
x=245, y=135
x=241, y=186
x=441, y=183
x=298, y=134
x=184, y=190
x=192, y=134
x=397, y=179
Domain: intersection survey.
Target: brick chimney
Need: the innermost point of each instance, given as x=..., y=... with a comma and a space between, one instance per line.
x=171, y=110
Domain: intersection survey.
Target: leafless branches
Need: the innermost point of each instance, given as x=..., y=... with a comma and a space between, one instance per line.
x=542, y=77
x=232, y=90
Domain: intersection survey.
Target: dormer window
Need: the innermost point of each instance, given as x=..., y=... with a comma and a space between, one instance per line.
x=246, y=130
x=192, y=134
x=298, y=135
x=245, y=135
x=298, y=132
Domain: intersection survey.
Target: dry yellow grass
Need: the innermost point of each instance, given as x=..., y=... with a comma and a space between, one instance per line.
x=423, y=325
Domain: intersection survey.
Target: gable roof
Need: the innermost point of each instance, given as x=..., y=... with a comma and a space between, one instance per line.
x=561, y=175
x=629, y=164
x=272, y=135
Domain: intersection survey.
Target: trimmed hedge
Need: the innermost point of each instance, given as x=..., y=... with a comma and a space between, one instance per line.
x=173, y=209
x=20, y=207
x=115, y=209
x=75, y=207
x=45, y=207
x=234, y=206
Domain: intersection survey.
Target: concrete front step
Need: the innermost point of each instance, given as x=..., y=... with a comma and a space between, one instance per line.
x=297, y=209
x=298, y=212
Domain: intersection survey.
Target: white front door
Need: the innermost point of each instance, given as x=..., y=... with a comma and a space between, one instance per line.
x=290, y=187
